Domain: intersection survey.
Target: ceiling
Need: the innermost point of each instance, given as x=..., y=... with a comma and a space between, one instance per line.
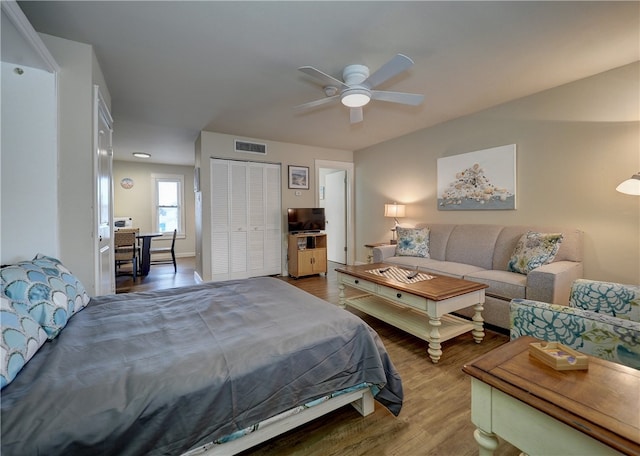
x=174, y=68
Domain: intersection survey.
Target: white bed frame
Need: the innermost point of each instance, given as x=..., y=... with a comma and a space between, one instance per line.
x=361, y=400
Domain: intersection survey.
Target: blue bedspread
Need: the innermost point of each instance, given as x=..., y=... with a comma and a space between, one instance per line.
x=162, y=372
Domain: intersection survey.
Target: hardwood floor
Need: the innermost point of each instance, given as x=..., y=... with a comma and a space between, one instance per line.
x=161, y=276
x=436, y=415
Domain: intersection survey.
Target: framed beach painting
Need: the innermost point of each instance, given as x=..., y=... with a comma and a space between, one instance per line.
x=299, y=177
x=480, y=180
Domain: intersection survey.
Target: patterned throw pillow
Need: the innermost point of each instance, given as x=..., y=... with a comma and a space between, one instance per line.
x=413, y=242
x=534, y=250
x=22, y=336
x=44, y=289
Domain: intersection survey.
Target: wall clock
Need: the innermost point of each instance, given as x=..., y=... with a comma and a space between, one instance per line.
x=126, y=183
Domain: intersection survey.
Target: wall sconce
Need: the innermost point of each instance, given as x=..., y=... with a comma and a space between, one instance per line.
x=394, y=210
x=631, y=186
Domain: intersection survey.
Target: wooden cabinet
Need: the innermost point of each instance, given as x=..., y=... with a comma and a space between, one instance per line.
x=307, y=254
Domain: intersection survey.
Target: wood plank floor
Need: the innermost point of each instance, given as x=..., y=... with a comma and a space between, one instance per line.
x=436, y=415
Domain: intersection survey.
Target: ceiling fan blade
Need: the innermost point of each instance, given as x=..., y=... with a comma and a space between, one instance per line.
x=412, y=99
x=316, y=103
x=355, y=115
x=324, y=78
x=392, y=68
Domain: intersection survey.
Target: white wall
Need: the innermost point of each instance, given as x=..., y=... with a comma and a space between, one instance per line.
x=218, y=145
x=76, y=194
x=29, y=163
x=575, y=144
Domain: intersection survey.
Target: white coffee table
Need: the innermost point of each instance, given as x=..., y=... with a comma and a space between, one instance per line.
x=420, y=308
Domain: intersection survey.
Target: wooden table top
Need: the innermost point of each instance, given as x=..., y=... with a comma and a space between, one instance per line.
x=602, y=402
x=436, y=289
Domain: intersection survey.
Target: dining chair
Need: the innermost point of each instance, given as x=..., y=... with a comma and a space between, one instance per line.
x=138, y=243
x=165, y=250
x=126, y=250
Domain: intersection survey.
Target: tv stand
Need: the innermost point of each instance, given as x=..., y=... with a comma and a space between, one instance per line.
x=307, y=254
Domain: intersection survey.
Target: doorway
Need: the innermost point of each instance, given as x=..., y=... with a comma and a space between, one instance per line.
x=335, y=193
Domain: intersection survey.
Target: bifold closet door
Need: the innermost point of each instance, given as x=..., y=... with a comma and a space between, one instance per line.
x=245, y=219
x=220, y=219
x=264, y=219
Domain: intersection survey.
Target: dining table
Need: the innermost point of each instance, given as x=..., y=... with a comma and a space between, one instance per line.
x=145, y=251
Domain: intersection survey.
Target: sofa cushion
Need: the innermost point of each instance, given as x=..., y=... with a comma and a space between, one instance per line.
x=413, y=242
x=502, y=284
x=438, y=238
x=533, y=250
x=570, y=249
x=451, y=268
x=473, y=244
x=411, y=262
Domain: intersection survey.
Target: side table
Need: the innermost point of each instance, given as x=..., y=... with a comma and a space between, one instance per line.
x=541, y=410
x=370, y=250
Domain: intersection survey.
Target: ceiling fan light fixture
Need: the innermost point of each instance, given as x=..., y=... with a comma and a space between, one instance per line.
x=355, y=98
x=141, y=155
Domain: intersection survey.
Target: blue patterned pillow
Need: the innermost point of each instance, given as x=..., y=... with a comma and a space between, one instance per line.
x=413, y=242
x=44, y=289
x=22, y=336
x=533, y=250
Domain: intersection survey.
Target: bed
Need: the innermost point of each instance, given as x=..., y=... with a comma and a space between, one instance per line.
x=213, y=368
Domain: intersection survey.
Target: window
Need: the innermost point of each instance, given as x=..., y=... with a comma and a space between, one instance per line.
x=168, y=196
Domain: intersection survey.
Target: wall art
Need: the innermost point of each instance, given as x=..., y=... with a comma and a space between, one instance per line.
x=299, y=177
x=480, y=180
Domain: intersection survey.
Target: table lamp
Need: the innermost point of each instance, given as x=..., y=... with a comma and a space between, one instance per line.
x=394, y=210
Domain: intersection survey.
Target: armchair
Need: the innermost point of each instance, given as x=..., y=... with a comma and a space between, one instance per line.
x=602, y=320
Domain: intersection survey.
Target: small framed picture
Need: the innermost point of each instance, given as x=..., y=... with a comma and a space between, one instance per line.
x=299, y=177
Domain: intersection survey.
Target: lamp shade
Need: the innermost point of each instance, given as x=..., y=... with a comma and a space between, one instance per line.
x=394, y=210
x=630, y=186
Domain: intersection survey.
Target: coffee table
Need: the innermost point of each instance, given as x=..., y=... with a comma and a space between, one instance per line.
x=543, y=411
x=421, y=308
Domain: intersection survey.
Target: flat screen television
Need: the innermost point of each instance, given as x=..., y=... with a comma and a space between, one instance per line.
x=306, y=219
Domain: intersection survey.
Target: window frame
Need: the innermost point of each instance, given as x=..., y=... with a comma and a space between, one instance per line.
x=179, y=179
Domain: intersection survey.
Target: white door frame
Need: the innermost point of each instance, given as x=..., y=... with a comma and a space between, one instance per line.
x=103, y=190
x=349, y=168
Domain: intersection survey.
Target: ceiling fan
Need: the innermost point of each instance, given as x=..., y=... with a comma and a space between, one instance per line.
x=358, y=86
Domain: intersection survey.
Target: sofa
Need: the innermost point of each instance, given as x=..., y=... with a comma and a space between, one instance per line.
x=485, y=254
x=602, y=320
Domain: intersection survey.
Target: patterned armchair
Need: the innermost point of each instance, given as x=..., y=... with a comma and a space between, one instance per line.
x=602, y=319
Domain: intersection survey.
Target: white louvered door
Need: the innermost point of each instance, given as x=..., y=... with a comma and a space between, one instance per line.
x=273, y=221
x=239, y=222
x=220, y=223
x=246, y=219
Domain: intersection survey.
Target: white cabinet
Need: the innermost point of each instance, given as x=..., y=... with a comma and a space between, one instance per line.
x=245, y=219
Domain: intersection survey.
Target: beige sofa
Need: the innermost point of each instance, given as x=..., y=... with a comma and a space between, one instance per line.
x=481, y=253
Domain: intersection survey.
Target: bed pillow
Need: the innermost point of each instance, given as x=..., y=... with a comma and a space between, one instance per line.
x=22, y=336
x=533, y=250
x=413, y=242
x=46, y=290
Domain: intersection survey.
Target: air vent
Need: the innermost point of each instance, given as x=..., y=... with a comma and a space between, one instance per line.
x=252, y=148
